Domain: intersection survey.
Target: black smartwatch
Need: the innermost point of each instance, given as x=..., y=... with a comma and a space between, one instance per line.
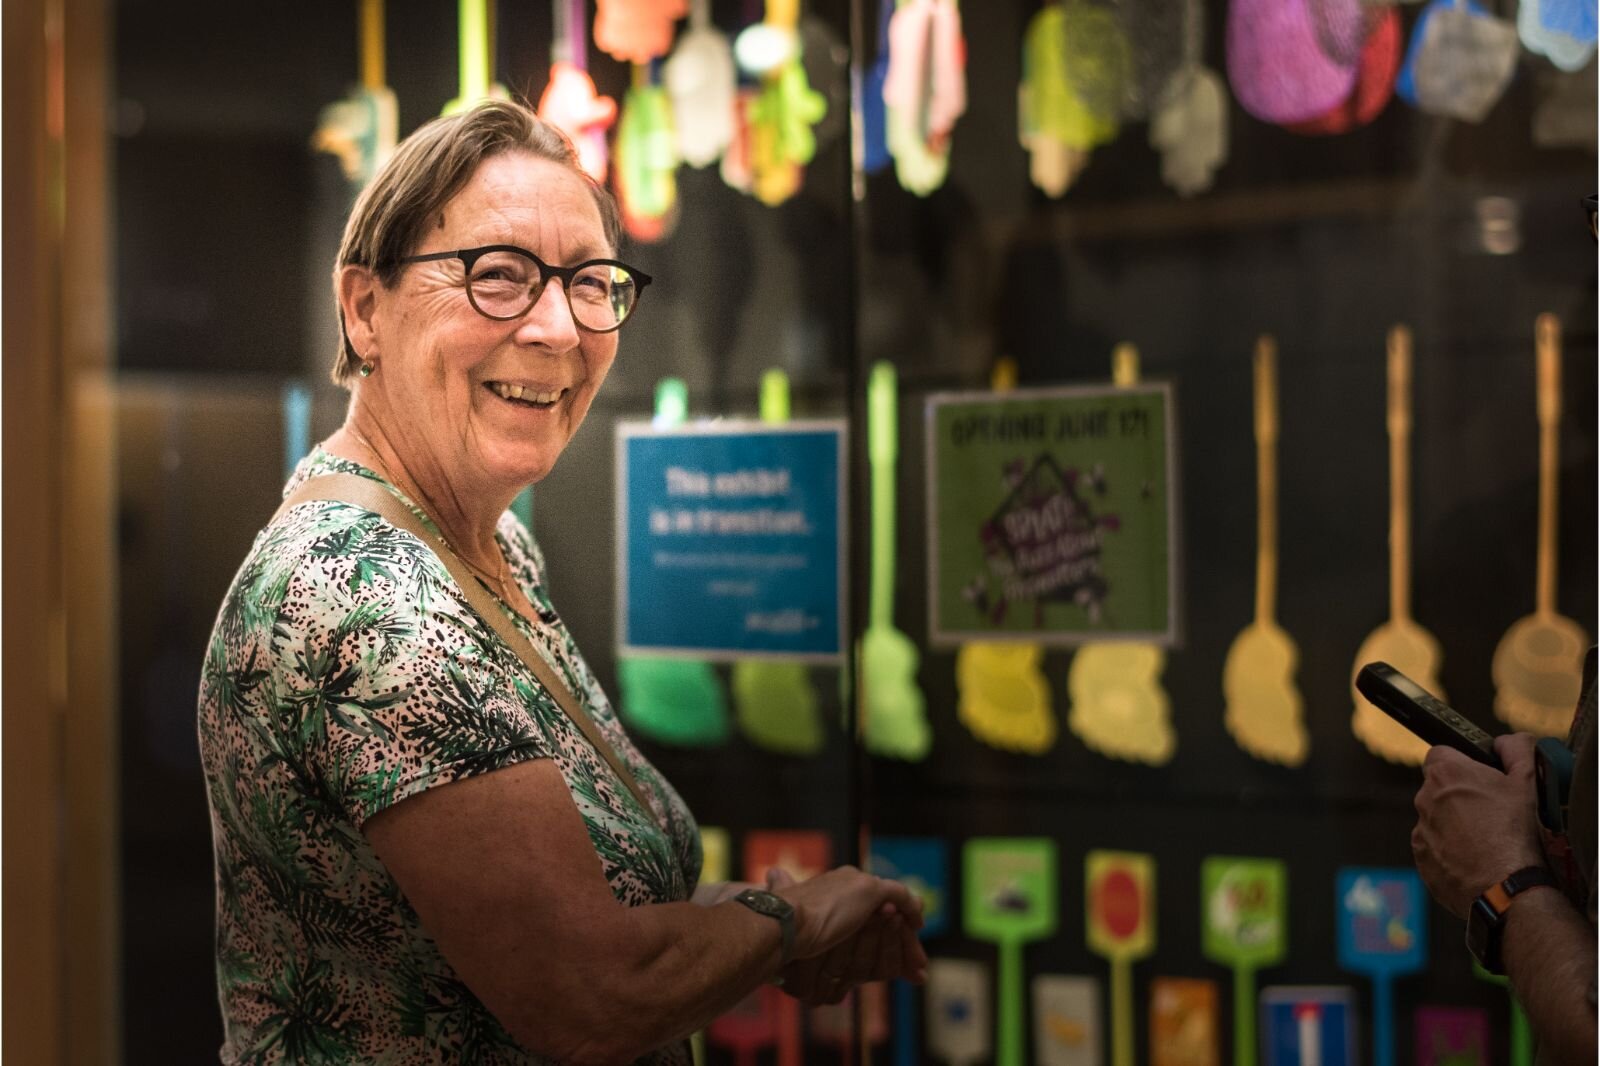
x=776, y=907
x=1486, y=921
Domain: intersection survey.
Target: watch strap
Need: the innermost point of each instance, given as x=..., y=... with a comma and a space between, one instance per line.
x=1499, y=896
x=777, y=908
x=1486, y=920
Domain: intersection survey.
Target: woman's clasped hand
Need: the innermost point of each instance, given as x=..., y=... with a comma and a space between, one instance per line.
x=851, y=928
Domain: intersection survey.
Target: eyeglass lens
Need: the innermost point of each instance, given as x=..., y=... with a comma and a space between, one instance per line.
x=505, y=284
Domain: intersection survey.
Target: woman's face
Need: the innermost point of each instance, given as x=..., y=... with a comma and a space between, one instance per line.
x=444, y=367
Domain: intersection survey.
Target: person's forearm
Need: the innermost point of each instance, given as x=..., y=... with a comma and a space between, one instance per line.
x=678, y=966
x=1548, y=949
x=711, y=893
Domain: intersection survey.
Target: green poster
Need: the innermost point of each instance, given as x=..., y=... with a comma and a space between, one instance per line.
x=1053, y=516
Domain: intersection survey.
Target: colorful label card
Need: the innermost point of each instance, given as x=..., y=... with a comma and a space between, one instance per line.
x=834, y=1023
x=1383, y=932
x=1010, y=888
x=1383, y=920
x=1066, y=1021
x=1053, y=518
x=1308, y=1026
x=1009, y=899
x=1244, y=907
x=960, y=1029
x=1452, y=1036
x=1243, y=912
x=923, y=865
x=1119, y=893
x=716, y=850
x=751, y=1025
x=1183, y=1022
x=1119, y=889
x=802, y=853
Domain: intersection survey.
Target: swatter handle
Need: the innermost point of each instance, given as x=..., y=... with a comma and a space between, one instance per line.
x=1382, y=1021
x=1009, y=1050
x=1547, y=338
x=1266, y=397
x=1521, y=1036
x=905, y=1024
x=1244, y=1017
x=1399, y=472
x=1121, y=1013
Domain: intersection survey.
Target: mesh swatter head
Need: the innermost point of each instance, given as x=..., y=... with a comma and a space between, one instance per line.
x=1162, y=38
x=1191, y=130
x=1276, y=63
x=1539, y=24
x=1096, y=57
x=1343, y=26
x=1463, y=63
x=1380, y=60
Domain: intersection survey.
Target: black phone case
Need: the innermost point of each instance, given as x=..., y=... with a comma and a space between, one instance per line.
x=1424, y=714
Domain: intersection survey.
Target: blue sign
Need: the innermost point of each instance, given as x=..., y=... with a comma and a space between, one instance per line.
x=1383, y=932
x=1307, y=1026
x=1383, y=920
x=730, y=540
x=923, y=864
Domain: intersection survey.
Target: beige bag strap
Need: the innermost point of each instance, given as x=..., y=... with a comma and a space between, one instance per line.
x=373, y=496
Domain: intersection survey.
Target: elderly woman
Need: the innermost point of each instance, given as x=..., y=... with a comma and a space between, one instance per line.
x=434, y=841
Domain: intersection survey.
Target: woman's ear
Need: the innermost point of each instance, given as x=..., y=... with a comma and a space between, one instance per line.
x=358, y=305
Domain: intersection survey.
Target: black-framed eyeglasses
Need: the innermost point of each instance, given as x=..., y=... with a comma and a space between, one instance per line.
x=503, y=281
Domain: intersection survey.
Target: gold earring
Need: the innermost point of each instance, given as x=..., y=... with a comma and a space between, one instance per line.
x=367, y=369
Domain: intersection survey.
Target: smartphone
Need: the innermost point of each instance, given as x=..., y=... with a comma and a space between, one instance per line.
x=1424, y=714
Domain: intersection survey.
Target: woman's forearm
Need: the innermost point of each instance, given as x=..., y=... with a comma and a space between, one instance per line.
x=674, y=967
x=711, y=893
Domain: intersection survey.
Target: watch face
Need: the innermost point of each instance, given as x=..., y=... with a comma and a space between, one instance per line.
x=766, y=903
x=1483, y=929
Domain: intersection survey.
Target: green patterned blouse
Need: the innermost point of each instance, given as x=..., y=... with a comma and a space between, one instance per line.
x=346, y=672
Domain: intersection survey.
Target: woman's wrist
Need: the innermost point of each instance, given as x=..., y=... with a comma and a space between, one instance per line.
x=711, y=893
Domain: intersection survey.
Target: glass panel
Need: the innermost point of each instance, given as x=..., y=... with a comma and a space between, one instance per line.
x=227, y=227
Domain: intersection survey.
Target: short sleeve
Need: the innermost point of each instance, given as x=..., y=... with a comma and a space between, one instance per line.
x=387, y=684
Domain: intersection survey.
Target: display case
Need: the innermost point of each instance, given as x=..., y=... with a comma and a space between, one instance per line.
x=1147, y=406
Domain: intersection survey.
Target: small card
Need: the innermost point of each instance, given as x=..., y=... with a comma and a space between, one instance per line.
x=1244, y=910
x=802, y=853
x=959, y=1027
x=1383, y=920
x=749, y=1025
x=834, y=1023
x=716, y=863
x=1308, y=1026
x=1452, y=1036
x=1120, y=891
x=923, y=865
x=1066, y=1021
x=1183, y=1022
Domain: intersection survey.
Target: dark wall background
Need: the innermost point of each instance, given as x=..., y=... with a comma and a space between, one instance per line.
x=226, y=229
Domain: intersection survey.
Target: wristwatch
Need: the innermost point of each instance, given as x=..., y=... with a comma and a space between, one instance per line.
x=771, y=906
x=1486, y=921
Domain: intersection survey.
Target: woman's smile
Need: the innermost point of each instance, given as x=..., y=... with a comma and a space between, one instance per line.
x=534, y=397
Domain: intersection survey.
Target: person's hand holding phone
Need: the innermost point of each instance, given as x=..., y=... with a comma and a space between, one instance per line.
x=1475, y=824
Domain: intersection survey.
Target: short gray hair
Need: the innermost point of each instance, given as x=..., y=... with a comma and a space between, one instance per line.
x=425, y=172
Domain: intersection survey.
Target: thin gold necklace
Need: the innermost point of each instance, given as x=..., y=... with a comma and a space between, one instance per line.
x=498, y=583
